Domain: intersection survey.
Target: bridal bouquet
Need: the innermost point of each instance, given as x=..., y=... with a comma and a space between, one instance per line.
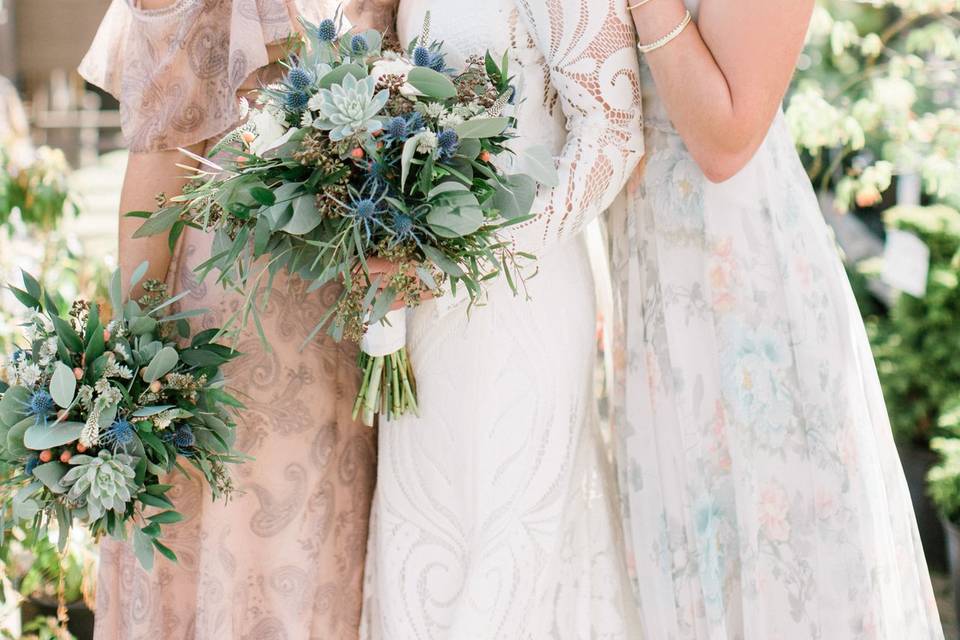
x=362, y=153
x=93, y=413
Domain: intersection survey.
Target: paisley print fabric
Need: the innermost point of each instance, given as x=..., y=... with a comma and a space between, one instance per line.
x=761, y=489
x=494, y=515
x=283, y=560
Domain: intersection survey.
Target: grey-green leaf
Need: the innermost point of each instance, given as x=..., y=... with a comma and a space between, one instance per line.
x=162, y=364
x=49, y=474
x=482, y=127
x=305, y=218
x=63, y=385
x=431, y=83
x=143, y=548
x=538, y=163
x=515, y=198
x=46, y=436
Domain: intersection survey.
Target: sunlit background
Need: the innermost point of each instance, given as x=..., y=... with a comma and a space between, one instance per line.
x=874, y=108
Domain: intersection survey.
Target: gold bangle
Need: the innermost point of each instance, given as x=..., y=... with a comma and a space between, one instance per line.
x=653, y=46
x=637, y=5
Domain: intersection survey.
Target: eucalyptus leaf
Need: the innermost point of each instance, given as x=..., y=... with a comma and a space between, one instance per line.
x=138, y=273
x=538, y=163
x=32, y=286
x=143, y=548
x=50, y=474
x=159, y=222
x=449, y=222
x=116, y=294
x=162, y=364
x=337, y=75
x=47, y=436
x=13, y=406
x=406, y=158
x=515, y=198
x=15, y=437
x=440, y=259
x=431, y=83
x=146, y=412
x=305, y=218
x=482, y=128
x=63, y=385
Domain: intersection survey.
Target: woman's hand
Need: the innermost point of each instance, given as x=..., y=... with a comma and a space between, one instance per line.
x=723, y=79
x=385, y=270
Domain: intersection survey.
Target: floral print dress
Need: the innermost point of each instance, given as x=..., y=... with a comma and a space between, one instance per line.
x=762, y=492
x=284, y=558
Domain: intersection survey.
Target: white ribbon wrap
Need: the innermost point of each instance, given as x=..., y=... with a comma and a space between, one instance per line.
x=382, y=339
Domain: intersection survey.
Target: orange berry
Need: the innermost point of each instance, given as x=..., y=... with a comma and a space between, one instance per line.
x=78, y=373
x=484, y=156
x=65, y=457
x=81, y=448
x=46, y=455
x=357, y=153
x=106, y=335
x=155, y=386
x=248, y=137
x=379, y=145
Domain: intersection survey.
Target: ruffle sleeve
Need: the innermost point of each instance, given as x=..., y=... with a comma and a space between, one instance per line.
x=176, y=71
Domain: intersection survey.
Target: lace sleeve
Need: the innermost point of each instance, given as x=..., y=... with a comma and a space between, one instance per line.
x=176, y=70
x=588, y=48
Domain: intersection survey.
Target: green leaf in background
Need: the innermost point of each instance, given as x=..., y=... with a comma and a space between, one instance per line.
x=166, y=517
x=155, y=501
x=166, y=551
x=162, y=364
x=46, y=436
x=158, y=222
x=431, y=83
x=143, y=548
x=32, y=286
x=96, y=345
x=515, y=198
x=337, y=75
x=482, y=127
x=24, y=298
x=13, y=406
x=538, y=163
x=138, y=273
x=406, y=158
x=305, y=218
x=49, y=474
x=67, y=335
x=63, y=385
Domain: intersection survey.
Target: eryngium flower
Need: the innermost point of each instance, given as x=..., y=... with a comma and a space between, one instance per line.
x=327, y=30
x=447, y=143
x=359, y=44
x=299, y=78
x=103, y=483
x=350, y=107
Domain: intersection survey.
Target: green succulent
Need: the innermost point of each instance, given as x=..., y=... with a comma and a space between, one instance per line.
x=350, y=107
x=103, y=483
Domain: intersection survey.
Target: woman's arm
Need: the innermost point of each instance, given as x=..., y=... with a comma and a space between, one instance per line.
x=148, y=174
x=723, y=79
x=373, y=14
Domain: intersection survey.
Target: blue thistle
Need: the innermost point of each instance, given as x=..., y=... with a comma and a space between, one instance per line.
x=327, y=31
x=17, y=356
x=299, y=78
x=422, y=57
x=40, y=406
x=415, y=122
x=396, y=130
x=183, y=437
x=402, y=226
x=118, y=435
x=366, y=210
x=377, y=174
x=437, y=62
x=296, y=101
x=359, y=44
x=32, y=462
x=447, y=143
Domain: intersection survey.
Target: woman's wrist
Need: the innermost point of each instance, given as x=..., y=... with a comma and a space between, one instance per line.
x=657, y=18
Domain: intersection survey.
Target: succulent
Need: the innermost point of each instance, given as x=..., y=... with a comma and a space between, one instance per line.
x=350, y=107
x=102, y=483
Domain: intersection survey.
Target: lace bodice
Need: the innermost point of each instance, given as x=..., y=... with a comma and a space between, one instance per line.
x=576, y=75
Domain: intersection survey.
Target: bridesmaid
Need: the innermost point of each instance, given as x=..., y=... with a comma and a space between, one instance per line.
x=283, y=559
x=762, y=490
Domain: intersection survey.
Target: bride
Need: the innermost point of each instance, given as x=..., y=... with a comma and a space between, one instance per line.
x=492, y=514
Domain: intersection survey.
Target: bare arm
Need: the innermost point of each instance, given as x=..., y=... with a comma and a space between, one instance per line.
x=723, y=79
x=373, y=14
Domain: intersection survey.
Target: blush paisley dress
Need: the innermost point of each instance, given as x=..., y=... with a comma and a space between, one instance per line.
x=761, y=489
x=283, y=560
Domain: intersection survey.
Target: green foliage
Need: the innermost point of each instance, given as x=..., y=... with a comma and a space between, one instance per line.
x=38, y=190
x=876, y=96
x=916, y=346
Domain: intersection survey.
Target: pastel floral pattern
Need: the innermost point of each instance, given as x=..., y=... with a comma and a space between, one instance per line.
x=762, y=493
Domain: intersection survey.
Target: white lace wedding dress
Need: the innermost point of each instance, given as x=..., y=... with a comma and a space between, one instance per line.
x=494, y=515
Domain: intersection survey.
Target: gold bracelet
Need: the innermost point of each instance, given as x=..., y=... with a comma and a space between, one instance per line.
x=653, y=46
x=637, y=5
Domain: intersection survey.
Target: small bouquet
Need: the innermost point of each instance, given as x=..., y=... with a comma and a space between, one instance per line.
x=362, y=153
x=93, y=413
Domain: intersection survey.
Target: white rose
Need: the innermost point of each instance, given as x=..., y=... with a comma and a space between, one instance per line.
x=271, y=132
